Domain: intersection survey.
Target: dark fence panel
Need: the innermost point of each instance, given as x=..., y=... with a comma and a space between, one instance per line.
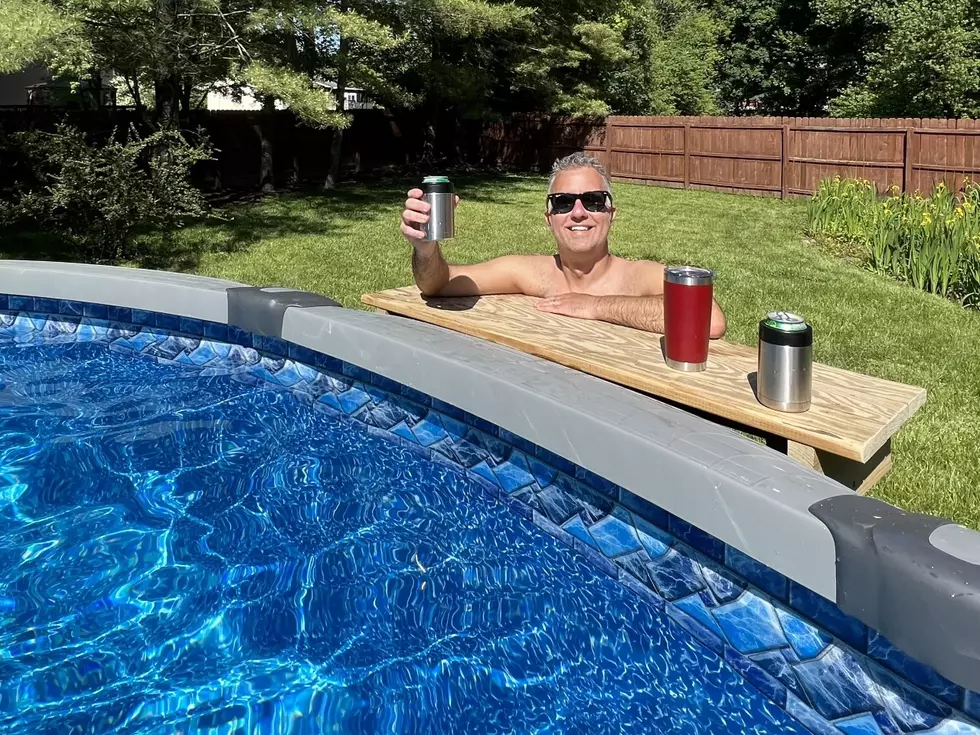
x=375, y=141
x=767, y=156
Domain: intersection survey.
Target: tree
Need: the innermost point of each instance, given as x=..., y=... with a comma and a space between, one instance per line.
x=564, y=57
x=783, y=57
x=344, y=41
x=925, y=61
x=671, y=50
x=172, y=47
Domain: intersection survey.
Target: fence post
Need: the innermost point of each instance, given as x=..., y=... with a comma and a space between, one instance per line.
x=687, y=155
x=784, y=164
x=609, y=168
x=909, y=163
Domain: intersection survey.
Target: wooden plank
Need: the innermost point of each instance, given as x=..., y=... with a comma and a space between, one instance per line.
x=948, y=167
x=699, y=126
x=687, y=155
x=646, y=151
x=947, y=131
x=737, y=185
x=784, y=168
x=909, y=160
x=633, y=178
x=737, y=156
x=845, y=131
x=851, y=415
x=608, y=162
x=833, y=162
x=858, y=476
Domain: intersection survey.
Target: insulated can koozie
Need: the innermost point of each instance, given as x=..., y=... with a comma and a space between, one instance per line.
x=784, y=379
x=438, y=192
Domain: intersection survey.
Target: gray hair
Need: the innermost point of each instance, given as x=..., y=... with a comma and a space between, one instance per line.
x=579, y=159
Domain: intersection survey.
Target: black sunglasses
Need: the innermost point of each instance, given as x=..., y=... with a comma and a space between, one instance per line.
x=593, y=201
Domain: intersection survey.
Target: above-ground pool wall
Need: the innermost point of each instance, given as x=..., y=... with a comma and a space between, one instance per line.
x=681, y=511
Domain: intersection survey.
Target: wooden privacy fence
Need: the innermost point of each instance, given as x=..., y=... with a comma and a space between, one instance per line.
x=772, y=156
x=767, y=156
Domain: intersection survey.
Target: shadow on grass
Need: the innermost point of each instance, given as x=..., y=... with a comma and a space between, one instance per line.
x=18, y=243
x=242, y=221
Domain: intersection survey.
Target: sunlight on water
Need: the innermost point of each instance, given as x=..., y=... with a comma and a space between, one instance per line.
x=191, y=554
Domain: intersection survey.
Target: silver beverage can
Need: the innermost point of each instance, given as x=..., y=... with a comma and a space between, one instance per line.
x=785, y=359
x=438, y=192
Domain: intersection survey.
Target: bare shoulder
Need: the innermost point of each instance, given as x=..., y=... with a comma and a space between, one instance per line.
x=524, y=265
x=537, y=273
x=645, y=277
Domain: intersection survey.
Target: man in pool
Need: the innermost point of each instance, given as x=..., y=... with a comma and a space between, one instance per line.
x=583, y=279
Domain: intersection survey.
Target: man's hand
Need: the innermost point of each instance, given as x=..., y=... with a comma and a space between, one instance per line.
x=579, y=305
x=415, y=215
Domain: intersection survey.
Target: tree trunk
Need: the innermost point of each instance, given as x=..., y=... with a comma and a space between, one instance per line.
x=95, y=77
x=185, y=100
x=167, y=88
x=429, y=140
x=166, y=93
x=263, y=128
x=134, y=90
x=297, y=59
x=338, y=133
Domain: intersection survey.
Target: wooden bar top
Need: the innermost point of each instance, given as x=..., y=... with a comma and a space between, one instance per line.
x=851, y=415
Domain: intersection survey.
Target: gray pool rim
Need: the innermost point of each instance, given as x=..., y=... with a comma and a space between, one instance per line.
x=911, y=577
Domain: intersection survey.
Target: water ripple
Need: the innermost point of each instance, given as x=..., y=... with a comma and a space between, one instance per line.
x=184, y=552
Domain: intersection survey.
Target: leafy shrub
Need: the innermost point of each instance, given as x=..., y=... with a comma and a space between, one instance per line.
x=931, y=242
x=98, y=196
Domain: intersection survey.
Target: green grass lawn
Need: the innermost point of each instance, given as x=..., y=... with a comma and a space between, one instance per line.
x=347, y=242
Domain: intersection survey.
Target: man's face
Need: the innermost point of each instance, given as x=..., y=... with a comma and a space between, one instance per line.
x=580, y=230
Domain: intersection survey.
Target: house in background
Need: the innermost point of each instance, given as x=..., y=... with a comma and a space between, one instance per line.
x=224, y=98
x=35, y=87
x=13, y=87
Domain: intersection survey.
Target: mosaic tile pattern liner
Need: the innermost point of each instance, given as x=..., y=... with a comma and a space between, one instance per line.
x=826, y=669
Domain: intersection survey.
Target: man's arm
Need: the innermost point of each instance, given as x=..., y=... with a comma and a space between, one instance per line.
x=435, y=277
x=639, y=312
x=647, y=312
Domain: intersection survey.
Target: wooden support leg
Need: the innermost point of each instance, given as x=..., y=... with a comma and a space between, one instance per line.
x=855, y=475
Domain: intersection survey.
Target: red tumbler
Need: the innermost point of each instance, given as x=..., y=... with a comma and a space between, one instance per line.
x=688, y=293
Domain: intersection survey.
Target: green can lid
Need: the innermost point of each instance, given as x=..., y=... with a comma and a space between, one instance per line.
x=785, y=321
x=435, y=180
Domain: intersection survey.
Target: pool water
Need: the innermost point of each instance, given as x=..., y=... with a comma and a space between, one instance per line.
x=187, y=553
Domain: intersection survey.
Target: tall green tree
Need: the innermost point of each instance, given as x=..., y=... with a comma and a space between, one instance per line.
x=923, y=62
x=672, y=49
x=783, y=57
x=567, y=54
x=345, y=42
x=171, y=47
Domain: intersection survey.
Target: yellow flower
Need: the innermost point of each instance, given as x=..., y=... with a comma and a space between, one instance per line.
x=958, y=212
